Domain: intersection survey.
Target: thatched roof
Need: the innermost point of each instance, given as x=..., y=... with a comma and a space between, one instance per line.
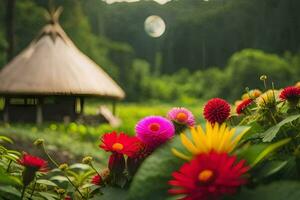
x=53, y=65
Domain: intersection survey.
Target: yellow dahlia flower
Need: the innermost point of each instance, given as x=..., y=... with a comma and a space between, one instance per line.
x=217, y=138
x=297, y=84
x=252, y=94
x=267, y=99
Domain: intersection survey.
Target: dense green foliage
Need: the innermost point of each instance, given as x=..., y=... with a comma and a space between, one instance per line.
x=204, y=43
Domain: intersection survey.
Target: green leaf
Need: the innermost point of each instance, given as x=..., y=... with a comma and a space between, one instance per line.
x=6, y=179
x=269, y=149
x=6, y=139
x=46, y=182
x=281, y=190
x=151, y=180
x=111, y=193
x=269, y=168
x=80, y=166
x=48, y=196
x=7, y=189
x=271, y=133
x=256, y=153
x=59, y=178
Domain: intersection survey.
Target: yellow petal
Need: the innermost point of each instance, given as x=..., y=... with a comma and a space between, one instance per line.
x=197, y=139
x=180, y=155
x=188, y=144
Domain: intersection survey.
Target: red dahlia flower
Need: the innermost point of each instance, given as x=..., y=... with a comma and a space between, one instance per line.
x=68, y=198
x=122, y=143
x=208, y=177
x=290, y=93
x=216, y=110
x=243, y=105
x=97, y=180
x=32, y=164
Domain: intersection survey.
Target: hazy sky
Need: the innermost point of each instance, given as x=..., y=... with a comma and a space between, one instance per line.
x=113, y=1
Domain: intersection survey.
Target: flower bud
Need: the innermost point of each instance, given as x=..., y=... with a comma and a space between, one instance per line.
x=63, y=167
x=105, y=173
x=38, y=142
x=60, y=191
x=116, y=163
x=87, y=160
x=263, y=77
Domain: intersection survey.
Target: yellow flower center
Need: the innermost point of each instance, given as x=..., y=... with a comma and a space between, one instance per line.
x=205, y=175
x=117, y=146
x=154, y=127
x=181, y=117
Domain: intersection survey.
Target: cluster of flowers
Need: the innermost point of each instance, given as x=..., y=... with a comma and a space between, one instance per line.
x=210, y=169
x=128, y=152
x=268, y=99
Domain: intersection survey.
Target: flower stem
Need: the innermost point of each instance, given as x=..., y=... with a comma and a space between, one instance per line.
x=8, y=166
x=49, y=157
x=33, y=189
x=92, y=166
x=55, y=163
x=23, y=191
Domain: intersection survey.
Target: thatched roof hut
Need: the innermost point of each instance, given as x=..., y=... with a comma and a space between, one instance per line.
x=52, y=66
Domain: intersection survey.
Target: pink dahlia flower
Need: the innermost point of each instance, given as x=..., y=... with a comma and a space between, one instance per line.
x=154, y=130
x=181, y=116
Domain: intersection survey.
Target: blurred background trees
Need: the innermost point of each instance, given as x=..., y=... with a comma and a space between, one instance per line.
x=210, y=48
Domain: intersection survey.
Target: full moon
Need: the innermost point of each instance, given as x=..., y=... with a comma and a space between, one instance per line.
x=155, y=26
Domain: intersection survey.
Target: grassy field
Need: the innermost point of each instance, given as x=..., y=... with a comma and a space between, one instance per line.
x=73, y=141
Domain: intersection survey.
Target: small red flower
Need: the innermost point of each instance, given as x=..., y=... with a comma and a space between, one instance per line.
x=243, y=105
x=33, y=162
x=97, y=180
x=68, y=198
x=290, y=93
x=209, y=176
x=121, y=144
x=216, y=110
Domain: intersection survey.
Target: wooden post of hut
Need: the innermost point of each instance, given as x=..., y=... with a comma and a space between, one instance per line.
x=5, y=112
x=39, y=111
x=51, y=86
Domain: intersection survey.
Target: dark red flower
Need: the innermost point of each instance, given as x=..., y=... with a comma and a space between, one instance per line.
x=243, y=105
x=68, y=198
x=208, y=177
x=33, y=162
x=216, y=110
x=97, y=180
x=290, y=93
x=121, y=143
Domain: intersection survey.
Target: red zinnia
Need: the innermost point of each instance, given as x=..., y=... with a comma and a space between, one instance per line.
x=97, y=180
x=121, y=144
x=243, y=105
x=216, y=110
x=290, y=93
x=209, y=176
x=33, y=162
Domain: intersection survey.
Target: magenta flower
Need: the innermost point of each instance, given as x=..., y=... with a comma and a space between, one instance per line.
x=181, y=116
x=154, y=130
